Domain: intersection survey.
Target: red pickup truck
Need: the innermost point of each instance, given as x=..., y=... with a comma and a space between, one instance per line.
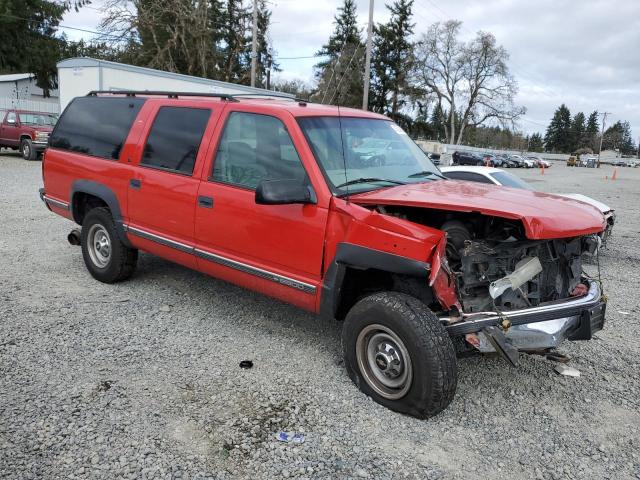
x=336, y=211
x=27, y=131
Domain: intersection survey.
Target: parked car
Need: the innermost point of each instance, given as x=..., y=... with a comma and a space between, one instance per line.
x=26, y=131
x=619, y=163
x=539, y=161
x=506, y=179
x=273, y=196
x=519, y=161
x=491, y=160
x=467, y=158
x=504, y=161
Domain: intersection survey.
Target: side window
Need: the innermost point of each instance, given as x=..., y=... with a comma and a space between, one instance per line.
x=96, y=126
x=175, y=138
x=11, y=118
x=255, y=147
x=467, y=176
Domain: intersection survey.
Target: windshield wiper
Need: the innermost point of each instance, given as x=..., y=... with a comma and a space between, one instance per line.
x=425, y=173
x=369, y=180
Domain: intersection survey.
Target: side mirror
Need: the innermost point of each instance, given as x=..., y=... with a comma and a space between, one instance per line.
x=284, y=192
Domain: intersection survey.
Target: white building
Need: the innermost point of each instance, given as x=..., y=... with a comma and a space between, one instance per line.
x=79, y=76
x=19, y=90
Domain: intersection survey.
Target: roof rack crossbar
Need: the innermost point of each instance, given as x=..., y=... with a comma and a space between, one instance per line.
x=133, y=93
x=274, y=95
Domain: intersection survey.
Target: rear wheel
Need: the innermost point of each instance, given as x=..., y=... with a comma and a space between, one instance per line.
x=27, y=150
x=105, y=256
x=397, y=352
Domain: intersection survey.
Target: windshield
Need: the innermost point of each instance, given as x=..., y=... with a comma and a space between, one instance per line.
x=508, y=180
x=43, y=119
x=377, y=153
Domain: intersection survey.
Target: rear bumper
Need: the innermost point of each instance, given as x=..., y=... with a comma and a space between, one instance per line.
x=545, y=326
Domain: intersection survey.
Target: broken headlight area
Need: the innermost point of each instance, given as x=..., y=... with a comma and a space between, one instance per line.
x=514, y=274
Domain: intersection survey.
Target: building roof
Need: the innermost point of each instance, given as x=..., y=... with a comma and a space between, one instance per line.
x=79, y=62
x=14, y=77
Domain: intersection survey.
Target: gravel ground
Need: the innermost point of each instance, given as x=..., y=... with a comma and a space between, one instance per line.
x=141, y=379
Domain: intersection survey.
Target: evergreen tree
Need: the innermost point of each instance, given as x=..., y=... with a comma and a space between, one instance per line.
x=237, y=41
x=392, y=58
x=618, y=137
x=558, y=135
x=438, y=119
x=578, y=129
x=592, y=132
x=340, y=75
x=27, y=39
x=535, y=143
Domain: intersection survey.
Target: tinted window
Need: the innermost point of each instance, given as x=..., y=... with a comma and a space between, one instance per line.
x=175, y=138
x=256, y=147
x=96, y=126
x=509, y=180
x=467, y=176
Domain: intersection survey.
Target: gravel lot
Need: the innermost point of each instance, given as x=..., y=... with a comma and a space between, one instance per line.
x=141, y=379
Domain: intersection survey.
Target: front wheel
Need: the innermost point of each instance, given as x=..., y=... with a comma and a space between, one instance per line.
x=105, y=256
x=397, y=352
x=27, y=150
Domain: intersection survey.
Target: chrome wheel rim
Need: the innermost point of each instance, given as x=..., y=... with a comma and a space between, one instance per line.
x=26, y=151
x=99, y=246
x=384, y=361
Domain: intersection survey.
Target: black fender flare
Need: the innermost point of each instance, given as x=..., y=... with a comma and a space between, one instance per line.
x=349, y=255
x=107, y=196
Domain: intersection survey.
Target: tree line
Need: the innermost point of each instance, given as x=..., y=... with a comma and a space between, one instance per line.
x=433, y=84
x=567, y=134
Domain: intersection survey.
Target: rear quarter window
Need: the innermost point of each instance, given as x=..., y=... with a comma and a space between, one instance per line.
x=96, y=126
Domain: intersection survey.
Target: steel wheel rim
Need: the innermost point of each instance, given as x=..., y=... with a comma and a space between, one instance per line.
x=26, y=150
x=384, y=361
x=99, y=246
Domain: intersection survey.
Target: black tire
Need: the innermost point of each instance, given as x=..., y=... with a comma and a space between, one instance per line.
x=26, y=149
x=121, y=262
x=434, y=376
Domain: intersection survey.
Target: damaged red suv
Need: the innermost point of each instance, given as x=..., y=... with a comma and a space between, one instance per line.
x=336, y=211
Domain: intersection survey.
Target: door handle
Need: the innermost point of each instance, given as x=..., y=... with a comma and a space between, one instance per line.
x=135, y=183
x=205, y=202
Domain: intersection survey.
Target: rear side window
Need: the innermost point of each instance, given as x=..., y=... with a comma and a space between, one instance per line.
x=96, y=126
x=175, y=138
x=467, y=176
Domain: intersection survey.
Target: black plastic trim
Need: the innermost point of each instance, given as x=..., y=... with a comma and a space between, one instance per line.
x=105, y=194
x=349, y=255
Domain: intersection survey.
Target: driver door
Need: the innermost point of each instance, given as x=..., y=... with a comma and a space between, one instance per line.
x=274, y=249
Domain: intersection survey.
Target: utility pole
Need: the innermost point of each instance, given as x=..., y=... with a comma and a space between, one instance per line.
x=254, y=43
x=367, y=64
x=604, y=118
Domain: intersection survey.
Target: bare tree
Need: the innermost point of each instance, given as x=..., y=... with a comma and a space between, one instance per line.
x=470, y=81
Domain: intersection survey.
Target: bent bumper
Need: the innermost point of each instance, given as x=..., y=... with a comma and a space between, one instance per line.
x=545, y=326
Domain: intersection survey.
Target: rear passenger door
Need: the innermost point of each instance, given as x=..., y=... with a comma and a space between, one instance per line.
x=276, y=249
x=164, y=184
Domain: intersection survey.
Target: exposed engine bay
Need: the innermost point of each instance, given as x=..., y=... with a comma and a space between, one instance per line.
x=496, y=267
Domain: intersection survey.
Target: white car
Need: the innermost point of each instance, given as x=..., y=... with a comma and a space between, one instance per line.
x=497, y=176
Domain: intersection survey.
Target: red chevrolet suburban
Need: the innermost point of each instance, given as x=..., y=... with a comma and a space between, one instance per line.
x=26, y=131
x=336, y=211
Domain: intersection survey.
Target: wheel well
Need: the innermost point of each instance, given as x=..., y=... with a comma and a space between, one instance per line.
x=84, y=202
x=358, y=283
x=23, y=136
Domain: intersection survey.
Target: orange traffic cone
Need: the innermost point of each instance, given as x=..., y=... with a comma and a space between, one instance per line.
x=615, y=173
x=542, y=169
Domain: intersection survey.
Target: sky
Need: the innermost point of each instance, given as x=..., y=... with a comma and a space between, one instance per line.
x=584, y=53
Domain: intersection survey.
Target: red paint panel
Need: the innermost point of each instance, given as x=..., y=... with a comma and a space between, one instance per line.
x=544, y=216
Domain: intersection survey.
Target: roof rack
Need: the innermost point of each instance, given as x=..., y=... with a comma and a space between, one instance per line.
x=133, y=93
x=275, y=95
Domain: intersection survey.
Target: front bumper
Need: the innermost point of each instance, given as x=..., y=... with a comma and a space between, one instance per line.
x=39, y=146
x=542, y=327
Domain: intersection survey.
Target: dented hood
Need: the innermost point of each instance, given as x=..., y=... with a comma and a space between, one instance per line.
x=544, y=216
